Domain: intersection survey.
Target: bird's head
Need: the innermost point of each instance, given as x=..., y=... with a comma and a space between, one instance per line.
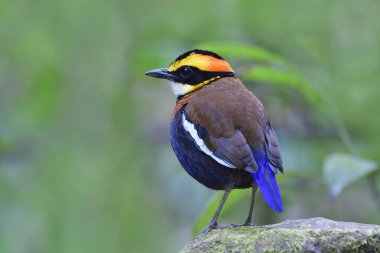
x=193, y=70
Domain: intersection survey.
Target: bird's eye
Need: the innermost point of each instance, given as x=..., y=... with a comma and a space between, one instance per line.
x=186, y=72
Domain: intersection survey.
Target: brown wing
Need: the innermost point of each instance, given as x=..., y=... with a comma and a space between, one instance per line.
x=236, y=151
x=273, y=150
x=231, y=120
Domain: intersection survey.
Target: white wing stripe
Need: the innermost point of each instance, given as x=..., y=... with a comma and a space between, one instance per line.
x=189, y=127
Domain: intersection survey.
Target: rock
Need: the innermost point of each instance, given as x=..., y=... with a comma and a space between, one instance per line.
x=308, y=235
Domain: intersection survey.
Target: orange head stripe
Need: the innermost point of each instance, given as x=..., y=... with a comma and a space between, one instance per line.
x=218, y=65
x=202, y=62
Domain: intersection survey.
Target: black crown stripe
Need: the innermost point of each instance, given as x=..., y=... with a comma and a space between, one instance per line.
x=198, y=51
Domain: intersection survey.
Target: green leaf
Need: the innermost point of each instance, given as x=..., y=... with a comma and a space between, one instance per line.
x=243, y=51
x=283, y=77
x=208, y=213
x=340, y=170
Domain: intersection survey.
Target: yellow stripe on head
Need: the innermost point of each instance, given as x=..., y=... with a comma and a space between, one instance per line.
x=202, y=61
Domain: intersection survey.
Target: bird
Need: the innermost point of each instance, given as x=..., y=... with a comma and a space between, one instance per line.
x=220, y=131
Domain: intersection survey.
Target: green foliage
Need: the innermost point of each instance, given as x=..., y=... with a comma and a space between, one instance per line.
x=285, y=78
x=341, y=170
x=243, y=51
x=83, y=131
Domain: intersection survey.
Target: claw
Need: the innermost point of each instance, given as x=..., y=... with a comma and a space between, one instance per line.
x=214, y=226
x=208, y=229
x=204, y=232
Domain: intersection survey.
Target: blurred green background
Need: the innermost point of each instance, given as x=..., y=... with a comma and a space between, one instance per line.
x=85, y=159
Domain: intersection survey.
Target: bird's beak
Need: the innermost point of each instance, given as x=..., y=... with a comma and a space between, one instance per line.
x=161, y=73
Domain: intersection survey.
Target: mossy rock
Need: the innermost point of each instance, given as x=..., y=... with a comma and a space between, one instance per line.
x=308, y=235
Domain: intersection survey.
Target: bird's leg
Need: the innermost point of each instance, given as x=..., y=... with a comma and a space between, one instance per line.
x=214, y=221
x=248, y=221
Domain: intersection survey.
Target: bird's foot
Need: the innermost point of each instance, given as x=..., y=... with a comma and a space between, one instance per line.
x=243, y=225
x=214, y=226
x=205, y=231
x=248, y=222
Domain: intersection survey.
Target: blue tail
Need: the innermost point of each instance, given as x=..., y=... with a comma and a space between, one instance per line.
x=266, y=181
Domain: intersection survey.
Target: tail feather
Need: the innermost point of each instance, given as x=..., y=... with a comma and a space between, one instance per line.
x=266, y=181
